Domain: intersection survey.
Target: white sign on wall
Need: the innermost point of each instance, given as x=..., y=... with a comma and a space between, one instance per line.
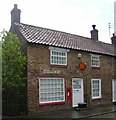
x=51, y=71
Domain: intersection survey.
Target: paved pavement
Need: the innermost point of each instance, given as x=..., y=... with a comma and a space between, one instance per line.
x=73, y=114
x=83, y=113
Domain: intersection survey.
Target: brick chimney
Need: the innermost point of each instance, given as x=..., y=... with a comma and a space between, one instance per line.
x=94, y=33
x=15, y=16
x=113, y=39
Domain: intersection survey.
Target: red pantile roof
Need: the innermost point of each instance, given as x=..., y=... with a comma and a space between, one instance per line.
x=39, y=35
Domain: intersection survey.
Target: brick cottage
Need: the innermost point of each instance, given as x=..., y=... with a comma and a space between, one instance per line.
x=63, y=69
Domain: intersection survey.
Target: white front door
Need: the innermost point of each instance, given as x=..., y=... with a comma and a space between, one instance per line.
x=77, y=91
x=114, y=90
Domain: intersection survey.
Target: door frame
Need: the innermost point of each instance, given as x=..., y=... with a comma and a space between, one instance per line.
x=82, y=89
x=113, y=100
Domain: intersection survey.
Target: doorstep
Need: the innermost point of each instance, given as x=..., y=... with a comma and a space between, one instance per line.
x=81, y=109
x=81, y=106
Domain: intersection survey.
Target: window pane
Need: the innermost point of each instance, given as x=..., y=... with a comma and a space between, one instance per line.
x=95, y=60
x=58, y=58
x=51, y=90
x=96, y=88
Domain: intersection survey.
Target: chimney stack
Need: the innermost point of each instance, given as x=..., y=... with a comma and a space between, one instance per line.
x=15, y=16
x=94, y=33
x=113, y=39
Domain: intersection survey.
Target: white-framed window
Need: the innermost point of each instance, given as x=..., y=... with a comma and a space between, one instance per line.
x=58, y=56
x=51, y=90
x=95, y=60
x=96, y=88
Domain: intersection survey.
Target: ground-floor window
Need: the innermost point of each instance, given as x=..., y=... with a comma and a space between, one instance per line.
x=51, y=90
x=96, y=88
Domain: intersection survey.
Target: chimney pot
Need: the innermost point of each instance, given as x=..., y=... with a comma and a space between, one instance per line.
x=15, y=5
x=93, y=26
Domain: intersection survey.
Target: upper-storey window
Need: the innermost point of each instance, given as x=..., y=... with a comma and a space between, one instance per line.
x=95, y=60
x=58, y=56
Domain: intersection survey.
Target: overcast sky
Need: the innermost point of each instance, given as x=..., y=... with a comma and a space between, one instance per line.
x=72, y=16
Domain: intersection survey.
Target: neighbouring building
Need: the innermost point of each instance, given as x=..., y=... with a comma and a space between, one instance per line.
x=63, y=69
x=115, y=17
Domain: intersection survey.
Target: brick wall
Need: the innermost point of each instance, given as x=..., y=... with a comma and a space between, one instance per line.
x=39, y=60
